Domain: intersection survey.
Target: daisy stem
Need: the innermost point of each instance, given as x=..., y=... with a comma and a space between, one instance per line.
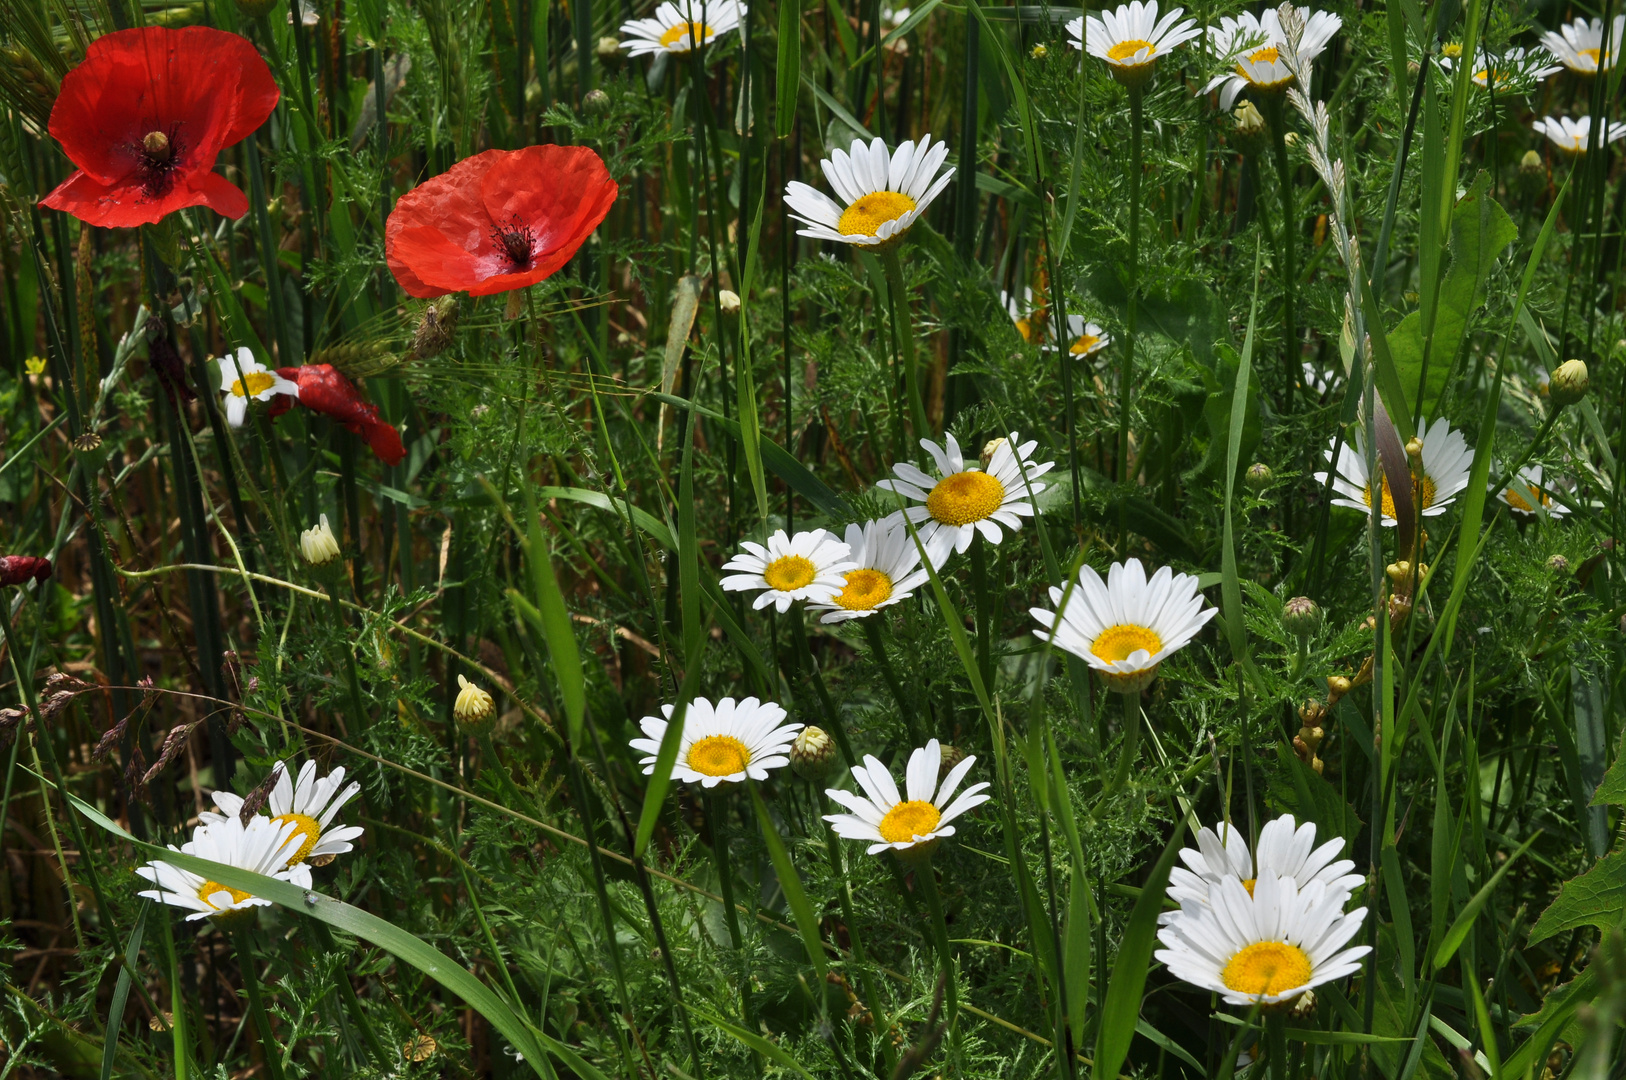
x=1131, y=742
x=356, y=700
x=927, y=877
x=256, y=1001
x=1126, y=380
x=877, y=648
x=904, y=332
x=1284, y=175
x=1276, y=1043
x=804, y=659
x=985, y=614
x=717, y=819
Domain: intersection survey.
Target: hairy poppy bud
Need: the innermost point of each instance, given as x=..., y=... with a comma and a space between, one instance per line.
x=18, y=569
x=813, y=754
x=473, y=710
x=1569, y=383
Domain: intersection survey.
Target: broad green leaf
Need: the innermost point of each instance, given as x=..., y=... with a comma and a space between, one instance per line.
x=1612, y=791
x=1595, y=898
x=1480, y=232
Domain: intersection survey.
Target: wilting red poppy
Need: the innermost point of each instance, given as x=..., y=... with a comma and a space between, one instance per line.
x=497, y=221
x=145, y=116
x=326, y=391
x=17, y=569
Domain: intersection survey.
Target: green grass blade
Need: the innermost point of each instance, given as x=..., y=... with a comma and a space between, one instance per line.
x=806, y=921
x=554, y=622
x=1459, y=930
x=1129, y=971
x=789, y=73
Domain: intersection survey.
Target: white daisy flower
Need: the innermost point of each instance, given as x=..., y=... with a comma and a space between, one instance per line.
x=1574, y=135
x=680, y=27
x=310, y=806
x=1514, y=69
x=1286, y=849
x=1525, y=491
x=722, y=743
x=1579, y=45
x=884, y=192
x=1267, y=946
x=1447, y=461
x=1131, y=38
x=263, y=846
x=886, y=569
x=962, y=501
x=919, y=821
x=242, y=377
x=807, y=566
x=1260, y=66
x=1084, y=338
x=1125, y=626
x=1318, y=380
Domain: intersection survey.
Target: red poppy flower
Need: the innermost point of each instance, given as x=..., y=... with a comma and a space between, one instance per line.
x=324, y=390
x=497, y=221
x=17, y=569
x=145, y=116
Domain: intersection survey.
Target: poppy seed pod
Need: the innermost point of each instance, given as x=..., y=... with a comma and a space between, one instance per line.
x=1569, y=383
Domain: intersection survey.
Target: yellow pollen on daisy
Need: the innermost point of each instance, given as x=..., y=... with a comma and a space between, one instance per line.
x=1518, y=497
x=1452, y=49
x=1267, y=967
x=688, y=34
x=866, y=216
x=1389, y=499
x=1267, y=55
x=1084, y=344
x=908, y=820
x=965, y=497
x=718, y=755
x=1119, y=642
x=1248, y=883
x=1025, y=328
x=865, y=591
x=306, y=827
x=209, y=888
x=1126, y=50
x=789, y=573
x=255, y=382
x=1590, y=54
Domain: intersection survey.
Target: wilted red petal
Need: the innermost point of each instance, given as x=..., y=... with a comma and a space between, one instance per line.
x=325, y=390
x=16, y=569
x=446, y=235
x=202, y=89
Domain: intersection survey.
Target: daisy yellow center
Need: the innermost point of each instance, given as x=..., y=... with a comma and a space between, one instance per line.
x=1120, y=642
x=1518, y=497
x=789, y=573
x=1248, y=883
x=209, y=888
x=1452, y=49
x=1267, y=967
x=866, y=216
x=865, y=590
x=1084, y=344
x=307, y=829
x=965, y=497
x=1484, y=77
x=718, y=755
x=1126, y=50
x=1025, y=328
x=1590, y=54
x=1267, y=55
x=255, y=382
x=1389, y=499
x=685, y=33
x=908, y=820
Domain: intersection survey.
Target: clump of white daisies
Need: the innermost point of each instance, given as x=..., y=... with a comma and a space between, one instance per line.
x=294, y=830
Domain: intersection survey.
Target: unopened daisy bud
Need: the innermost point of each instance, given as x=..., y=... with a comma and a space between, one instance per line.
x=1338, y=686
x=813, y=754
x=1569, y=383
x=729, y=301
x=1558, y=564
x=1039, y=52
x=952, y=756
x=596, y=103
x=609, y=52
x=1414, y=454
x=1249, y=120
x=473, y=708
x=989, y=450
x=1531, y=163
x=1258, y=476
x=317, y=543
x=1301, y=617
x=1398, y=572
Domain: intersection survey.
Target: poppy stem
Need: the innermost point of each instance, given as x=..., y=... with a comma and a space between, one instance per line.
x=903, y=332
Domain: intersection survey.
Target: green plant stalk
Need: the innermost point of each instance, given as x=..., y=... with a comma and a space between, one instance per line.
x=352, y=1003
x=985, y=610
x=256, y=1001
x=351, y=681
x=903, y=332
x=1126, y=379
x=877, y=648
x=1130, y=748
x=1288, y=238
x=717, y=819
x=1276, y=1043
x=177, y=1000
x=844, y=894
x=940, y=939
x=804, y=658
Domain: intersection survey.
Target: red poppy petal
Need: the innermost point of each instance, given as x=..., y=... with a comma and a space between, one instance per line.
x=17, y=569
x=448, y=205
x=385, y=442
x=125, y=205
x=562, y=192
x=203, y=88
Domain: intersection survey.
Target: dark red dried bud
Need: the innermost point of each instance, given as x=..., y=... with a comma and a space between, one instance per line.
x=323, y=389
x=17, y=569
